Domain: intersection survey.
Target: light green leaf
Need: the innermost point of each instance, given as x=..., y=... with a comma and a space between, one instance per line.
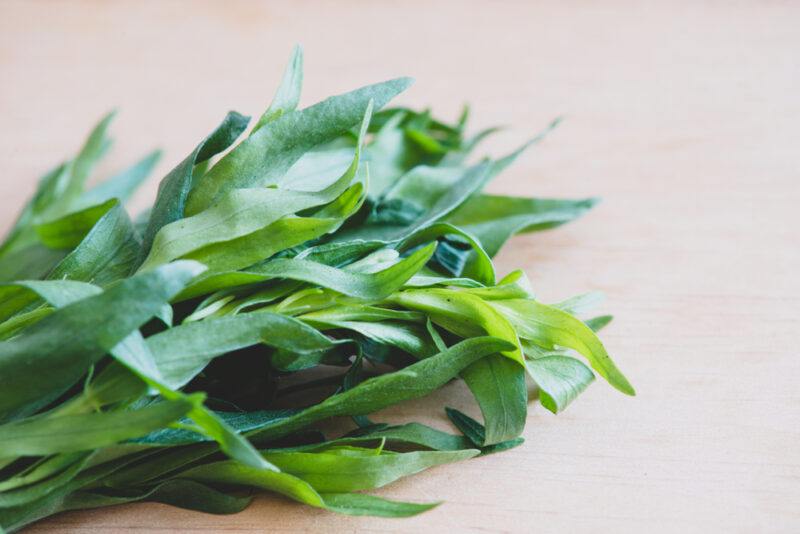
x=69, y=230
x=330, y=471
x=494, y=219
x=367, y=286
x=267, y=155
x=23, y=234
x=63, y=345
x=461, y=313
x=70, y=433
x=240, y=212
x=174, y=188
x=498, y=385
x=120, y=186
x=106, y=254
x=560, y=379
x=93, y=149
x=360, y=504
x=550, y=326
x=285, y=233
x=288, y=95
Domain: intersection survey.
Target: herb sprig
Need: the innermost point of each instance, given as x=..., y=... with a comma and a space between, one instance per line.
x=169, y=357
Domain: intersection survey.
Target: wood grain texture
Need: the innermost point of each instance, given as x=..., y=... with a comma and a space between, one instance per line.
x=683, y=116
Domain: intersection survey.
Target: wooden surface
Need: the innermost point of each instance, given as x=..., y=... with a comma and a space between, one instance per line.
x=683, y=116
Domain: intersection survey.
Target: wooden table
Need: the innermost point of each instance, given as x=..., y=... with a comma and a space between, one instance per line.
x=683, y=116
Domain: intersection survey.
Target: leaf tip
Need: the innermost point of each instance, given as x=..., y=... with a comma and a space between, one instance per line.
x=625, y=387
x=403, y=83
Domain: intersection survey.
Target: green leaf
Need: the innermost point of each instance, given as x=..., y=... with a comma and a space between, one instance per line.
x=360, y=504
x=69, y=230
x=70, y=433
x=560, y=379
x=93, y=149
x=240, y=212
x=106, y=254
x=387, y=155
x=461, y=313
x=429, y=193
x=174, y=188
x=333, y=471
x=232, y=473
x=18, y=295
x=314, y=169
x=581, y=303
x=22, y=234
x=360, y=312
x=331, y=254
x=494, y=219
x=120, y=186
x=498, y=385
x=45, y=477
x=267, y=155
x=476, y=432
x=481, y=269
x=63, y=345
x=423, y=436
x=34, y=261
x=550, y=326
x=285, y=233
x=413, y=339
x=195, y=496
x=238, y=423
x=295, y=488
x=288, y=95
x=367, y=286
x=376, y=393
x=181, y=352
x=183, y=493
x=600, y=322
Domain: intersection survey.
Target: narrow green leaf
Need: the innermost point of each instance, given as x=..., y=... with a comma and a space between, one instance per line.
x=93, y=149
x=599, y=322
x=498, y=385
x=232, y=473
x=367, y=286
x=550, y=326
x=462, y=313
x=288, y=95
x=285, y=233
x=376, y=393
x=560, y=379
x=174, y=188
x=106, y=254
x=69, y=230
x=328, y=471
x=70, y=433
x=267, y=155
x=242, y=211
x=360, y=504
x=63, y=345
x=476, y=432
x=121, y=186
x=494, y=219
x=182, y=351
x=22, y=234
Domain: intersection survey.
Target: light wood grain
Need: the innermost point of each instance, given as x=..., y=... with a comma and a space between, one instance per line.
x=683, y=116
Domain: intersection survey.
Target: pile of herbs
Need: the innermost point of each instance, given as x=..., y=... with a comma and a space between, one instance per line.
x=328, y=262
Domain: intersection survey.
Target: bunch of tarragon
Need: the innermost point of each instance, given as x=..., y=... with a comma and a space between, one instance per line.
x=328, y=262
